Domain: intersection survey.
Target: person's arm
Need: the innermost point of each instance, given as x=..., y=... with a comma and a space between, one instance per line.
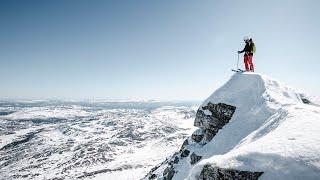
x=242, y=50
x=246, y=49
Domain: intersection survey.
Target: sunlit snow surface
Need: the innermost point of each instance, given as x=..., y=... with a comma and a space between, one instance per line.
x=89, y=140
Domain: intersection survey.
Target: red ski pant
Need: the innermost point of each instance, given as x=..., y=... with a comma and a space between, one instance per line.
x=248, y=63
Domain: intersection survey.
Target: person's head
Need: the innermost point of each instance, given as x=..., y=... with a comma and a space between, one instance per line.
x=246, y=39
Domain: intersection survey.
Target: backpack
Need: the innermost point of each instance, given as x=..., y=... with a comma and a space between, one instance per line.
x=253, y=48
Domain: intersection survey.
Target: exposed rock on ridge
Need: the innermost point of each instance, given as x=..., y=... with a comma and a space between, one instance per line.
x=212, y=117
x=215, y=173
x=209, y=118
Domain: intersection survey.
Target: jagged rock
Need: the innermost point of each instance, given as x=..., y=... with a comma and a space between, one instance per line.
x=176, y=160
x=168, y=173
x=185, y=143
x=215, y=173
x=221, y=111
x=150, y=173
x=209, y=119
x=194, y=158
x=185, y=153
x=153, y=176
x=209, y=134
x=305, y=101
x=198, y=135
x=213, y=117
x=220, y=115
x=201, y=119
x=154, y=168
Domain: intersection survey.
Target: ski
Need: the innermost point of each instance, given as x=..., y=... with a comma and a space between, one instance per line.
x=238, y=70
x=241, y=70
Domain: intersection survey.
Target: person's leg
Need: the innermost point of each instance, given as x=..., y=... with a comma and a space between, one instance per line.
x=251, y=64
x=246, y=63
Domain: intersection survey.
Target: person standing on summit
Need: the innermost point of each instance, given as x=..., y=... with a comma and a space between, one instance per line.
x=248, y=50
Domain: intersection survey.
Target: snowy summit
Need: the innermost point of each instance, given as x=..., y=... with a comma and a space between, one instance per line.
x=253, y=127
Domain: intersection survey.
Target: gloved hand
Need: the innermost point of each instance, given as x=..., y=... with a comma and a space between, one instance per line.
x=239, y=52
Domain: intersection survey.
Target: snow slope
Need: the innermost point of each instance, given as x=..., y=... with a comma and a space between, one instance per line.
x=273, y=130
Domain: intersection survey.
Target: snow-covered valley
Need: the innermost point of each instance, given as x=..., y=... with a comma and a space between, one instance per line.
x=89, y=140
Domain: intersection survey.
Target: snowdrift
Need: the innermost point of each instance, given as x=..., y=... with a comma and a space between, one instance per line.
x=252, y=127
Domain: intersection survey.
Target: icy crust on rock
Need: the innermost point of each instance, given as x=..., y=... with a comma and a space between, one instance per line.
x=272, y=134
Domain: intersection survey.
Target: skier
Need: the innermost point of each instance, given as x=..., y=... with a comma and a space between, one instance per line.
x=248, y=50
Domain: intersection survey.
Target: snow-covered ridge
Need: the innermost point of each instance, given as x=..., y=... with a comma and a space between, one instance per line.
x=253, y=126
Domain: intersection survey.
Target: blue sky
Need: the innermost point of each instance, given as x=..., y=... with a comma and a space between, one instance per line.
x=165, y=50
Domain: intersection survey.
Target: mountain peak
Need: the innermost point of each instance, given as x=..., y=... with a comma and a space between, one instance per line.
x=251, y=88
x=253, y=126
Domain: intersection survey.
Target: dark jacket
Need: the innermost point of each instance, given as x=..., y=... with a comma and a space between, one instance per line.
x=248, y=49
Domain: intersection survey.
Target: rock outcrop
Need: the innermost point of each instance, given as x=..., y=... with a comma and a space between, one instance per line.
x=185, y=153
x=198, y=135
x=210, y=172
x=168, y=173
x=212, y=117
x=194, y=158
x=209, y=118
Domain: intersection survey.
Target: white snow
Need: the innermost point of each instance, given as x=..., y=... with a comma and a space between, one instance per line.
x=155, y=150
x=64, y=112
x=76, y=138
x=272, y=131
x=9, y=138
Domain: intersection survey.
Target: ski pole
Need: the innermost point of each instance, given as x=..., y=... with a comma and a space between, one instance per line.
x=238, y=62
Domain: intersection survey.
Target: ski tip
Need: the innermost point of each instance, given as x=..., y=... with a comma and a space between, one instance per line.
x=237, y=71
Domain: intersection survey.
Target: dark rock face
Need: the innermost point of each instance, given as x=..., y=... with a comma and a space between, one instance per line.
x=209, y=119
x=213, y=117
x=185, y=143
x=185, y=153
x=220, y=115
x=198, y=135
x=176, y=160
x=194, y=158
x=215, y=173
x=209, y=134
x=153, y=176
x=168, y=173
x=305, y=101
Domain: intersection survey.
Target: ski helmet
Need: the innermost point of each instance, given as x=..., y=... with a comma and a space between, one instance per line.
x=246, y=38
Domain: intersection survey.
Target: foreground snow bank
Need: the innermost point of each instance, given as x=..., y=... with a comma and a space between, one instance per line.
x=274, y=129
